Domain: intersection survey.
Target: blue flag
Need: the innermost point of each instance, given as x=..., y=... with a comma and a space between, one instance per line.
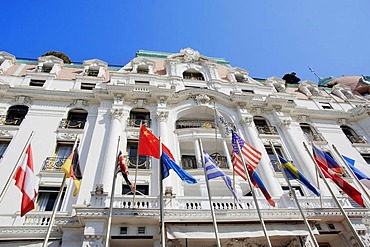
x=360, y=169
x=213, y=171
x=168, y=164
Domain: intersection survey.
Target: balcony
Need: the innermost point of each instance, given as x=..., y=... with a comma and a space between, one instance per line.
x=53, y=163
x=267, y=130
x=185, y=124
x=132, y=122
x=144, y=162
x=71, y=124
x=357, y=139
x=4, y=120
x=188, y=162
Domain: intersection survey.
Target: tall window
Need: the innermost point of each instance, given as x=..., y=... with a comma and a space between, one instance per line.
x=47, y=197
x=139, y=116
x=310, y=132
x=76, y=119
x=273, y=160
x=263, y=126
x=352, y=135
x=16, y=114
x=62, y=151
x=3, y=146
x=132, y=148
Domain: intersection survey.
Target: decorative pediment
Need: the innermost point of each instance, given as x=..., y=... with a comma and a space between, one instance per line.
x=6, y=61
x=309, y=88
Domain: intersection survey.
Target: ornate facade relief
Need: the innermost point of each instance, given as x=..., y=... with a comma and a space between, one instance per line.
x=304, y=118
x=285, y=121
x=117, y=113
x=162, y=116
x=22, y=100
x=202, y=99
x=80, y=103
x=247, y=120
x=190, y=55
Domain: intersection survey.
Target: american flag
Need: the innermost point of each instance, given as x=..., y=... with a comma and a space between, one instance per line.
x=251, y=155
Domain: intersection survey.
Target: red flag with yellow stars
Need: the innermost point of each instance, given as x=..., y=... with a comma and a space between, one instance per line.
x=149, y=144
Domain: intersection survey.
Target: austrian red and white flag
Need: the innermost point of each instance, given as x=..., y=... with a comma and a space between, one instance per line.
x=26, y=181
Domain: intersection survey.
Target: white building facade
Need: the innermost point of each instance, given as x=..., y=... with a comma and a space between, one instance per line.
x=174, y=95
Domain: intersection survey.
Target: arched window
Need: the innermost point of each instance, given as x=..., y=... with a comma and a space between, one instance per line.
x=76, y=119
x=16, y=114
x=310, y=132
x=143, y=69
x=137, y=116
x=263, y=126
x=352, y=135
x=192, y=74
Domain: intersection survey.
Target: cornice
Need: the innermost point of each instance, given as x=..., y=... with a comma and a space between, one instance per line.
x=44, y=94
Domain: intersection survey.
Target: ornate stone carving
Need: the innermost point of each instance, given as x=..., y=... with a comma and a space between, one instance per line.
x=248, y=120
x=5, y=133
x=303, y=118
x=341, y=121
x=79, y=103
x=140, y=102
x=67, y=136
x=117, y=113
x=162, y=116
x=190, y=55
x=285, y=121
x=202, y=99
x=118, y=99
x=23, y=100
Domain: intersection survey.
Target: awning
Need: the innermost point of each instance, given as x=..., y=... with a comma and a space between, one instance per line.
x=206, y=231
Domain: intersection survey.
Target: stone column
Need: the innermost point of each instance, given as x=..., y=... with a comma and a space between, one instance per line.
x=297, y=150
x=264, y=169
x=111, y=148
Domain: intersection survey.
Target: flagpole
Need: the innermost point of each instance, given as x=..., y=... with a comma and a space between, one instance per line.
x=136, y=167
x=295, y=197
x=209, y=195
x=353, y=230
x=254, y=197
x=358, y=182
x=161, y=202
x=8, y=182
x=57, y=202
x=109, y=224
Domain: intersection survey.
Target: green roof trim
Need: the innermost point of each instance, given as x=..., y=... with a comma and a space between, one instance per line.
x=164, y=55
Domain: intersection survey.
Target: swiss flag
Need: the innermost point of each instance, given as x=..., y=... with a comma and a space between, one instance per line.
x=25, y=180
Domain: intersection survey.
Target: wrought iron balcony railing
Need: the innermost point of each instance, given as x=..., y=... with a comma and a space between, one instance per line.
x=267, y=130
x=53, y=163
x=144, y=161
x=184, y=124
x=132, y=122
x=4, y=120
x=71, y=124
x=317, y=137
x=189, y=162
x=357, y=139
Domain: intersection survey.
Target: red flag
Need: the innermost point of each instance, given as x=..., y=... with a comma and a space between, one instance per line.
x=340, y=182
x=149, y=144
x=25, y=180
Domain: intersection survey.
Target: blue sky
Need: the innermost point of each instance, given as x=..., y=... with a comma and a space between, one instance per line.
x=267, y=38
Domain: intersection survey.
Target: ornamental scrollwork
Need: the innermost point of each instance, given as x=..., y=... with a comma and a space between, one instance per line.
x=202, y=99
x=162, y=116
